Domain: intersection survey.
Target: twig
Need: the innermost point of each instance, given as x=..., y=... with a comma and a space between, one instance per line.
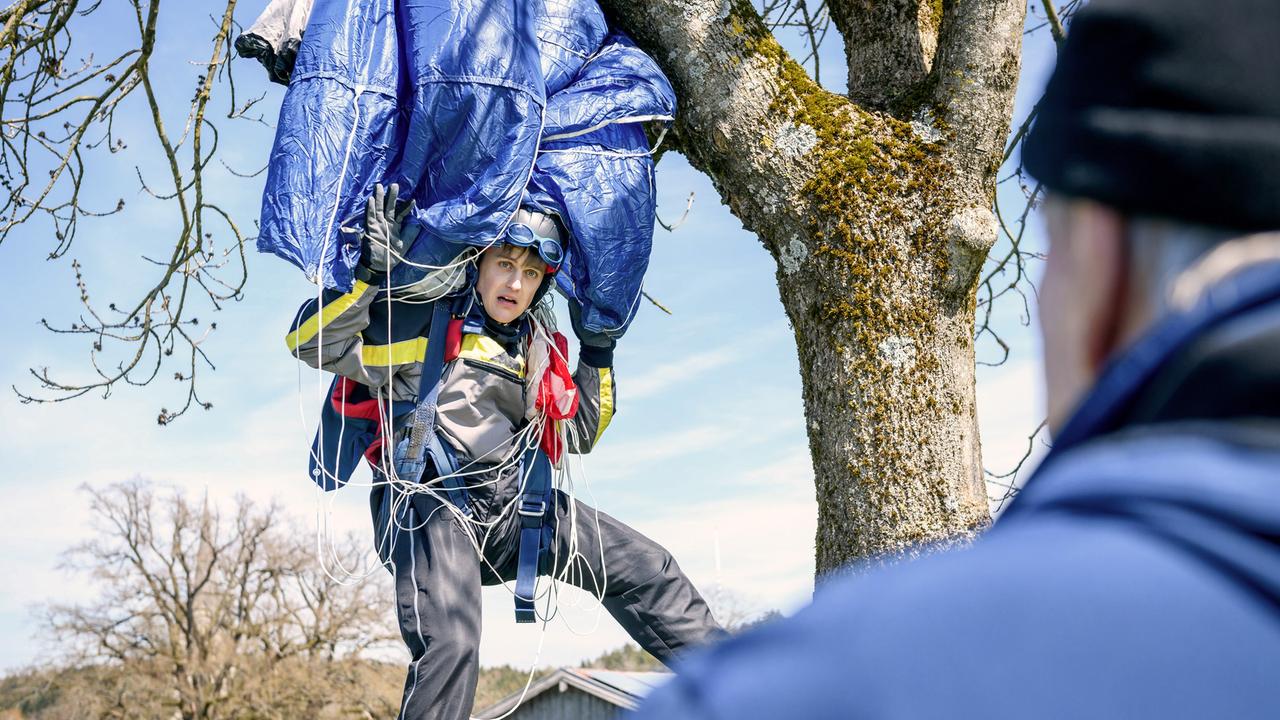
x=656, y=304
x=56, y=115
x=1055, y=25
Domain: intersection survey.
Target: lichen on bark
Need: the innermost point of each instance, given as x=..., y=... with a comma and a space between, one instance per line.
x=880, y=202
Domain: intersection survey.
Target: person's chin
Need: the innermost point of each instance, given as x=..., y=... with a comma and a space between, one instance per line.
x=504, y=314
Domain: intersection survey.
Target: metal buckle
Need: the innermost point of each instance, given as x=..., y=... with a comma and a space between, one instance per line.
x=532, y=507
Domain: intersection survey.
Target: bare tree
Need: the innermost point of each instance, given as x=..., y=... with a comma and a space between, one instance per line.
x=214, y=613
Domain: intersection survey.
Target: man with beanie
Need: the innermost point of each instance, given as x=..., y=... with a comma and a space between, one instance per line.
x=1138, y=572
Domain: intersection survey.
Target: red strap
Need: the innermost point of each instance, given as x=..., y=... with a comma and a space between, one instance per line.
x=374, y=454
x=557, y=397
x=361, y=410
x=453, y=340
x=550, y=442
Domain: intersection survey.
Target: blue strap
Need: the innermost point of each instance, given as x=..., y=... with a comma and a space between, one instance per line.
x=424, y=442
x=446, y=464
x=424, y=413
x=535, y=497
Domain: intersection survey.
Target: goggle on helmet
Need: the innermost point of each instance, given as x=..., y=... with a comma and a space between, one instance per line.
x=532, y=229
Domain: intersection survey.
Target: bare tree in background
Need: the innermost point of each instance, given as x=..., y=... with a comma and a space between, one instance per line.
x=214, y=614
x=876, y=203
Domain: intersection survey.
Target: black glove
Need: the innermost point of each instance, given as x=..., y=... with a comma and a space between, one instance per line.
x=597, y=347
x=382, y=243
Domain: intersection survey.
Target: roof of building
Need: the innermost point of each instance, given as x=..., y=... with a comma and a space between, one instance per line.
x=624, y=689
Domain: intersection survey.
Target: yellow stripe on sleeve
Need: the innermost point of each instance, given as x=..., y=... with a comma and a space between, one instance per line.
x=404, y=352
x=606, y=402
x=309, y=329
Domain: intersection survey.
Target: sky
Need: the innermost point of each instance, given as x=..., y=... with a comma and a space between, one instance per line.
x=707, y=453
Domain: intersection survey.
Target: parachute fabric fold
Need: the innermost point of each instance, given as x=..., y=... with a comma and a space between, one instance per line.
x=337, y=135
x=475, y=119
x=598, y=177
x=620, y=84
x=569, y=32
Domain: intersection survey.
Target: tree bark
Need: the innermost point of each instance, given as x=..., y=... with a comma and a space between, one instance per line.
x=878, y=215
x=889, y=46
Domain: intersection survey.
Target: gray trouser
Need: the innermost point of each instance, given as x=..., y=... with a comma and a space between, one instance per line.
x=438, y=576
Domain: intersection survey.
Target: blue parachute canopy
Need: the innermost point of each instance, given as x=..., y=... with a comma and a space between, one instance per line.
x=475, y=107
x=595, y=171
x=476, y=97
x=339, y=132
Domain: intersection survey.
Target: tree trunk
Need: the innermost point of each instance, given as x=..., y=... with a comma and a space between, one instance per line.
x=878, y=215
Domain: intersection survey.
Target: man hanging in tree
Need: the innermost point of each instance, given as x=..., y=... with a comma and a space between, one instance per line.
x=467, y=519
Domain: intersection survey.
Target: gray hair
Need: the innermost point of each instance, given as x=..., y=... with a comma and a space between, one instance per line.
x=1173, y=264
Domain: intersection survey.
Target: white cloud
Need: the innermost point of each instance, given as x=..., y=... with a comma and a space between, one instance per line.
x=658, y=379
x=1010, y=406
x=690, y=366
x=623, y=459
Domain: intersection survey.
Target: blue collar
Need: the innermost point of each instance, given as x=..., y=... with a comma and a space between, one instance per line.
x=1122, y=382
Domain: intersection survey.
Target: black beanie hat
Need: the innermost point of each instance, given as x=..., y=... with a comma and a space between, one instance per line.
x=1168, y=108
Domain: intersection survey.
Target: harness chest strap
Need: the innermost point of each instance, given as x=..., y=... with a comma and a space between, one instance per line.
x=424, y=413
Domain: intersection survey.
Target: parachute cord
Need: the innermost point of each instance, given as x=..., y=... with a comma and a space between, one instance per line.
x=533, y=669
x=321, y=519
x=324, y=251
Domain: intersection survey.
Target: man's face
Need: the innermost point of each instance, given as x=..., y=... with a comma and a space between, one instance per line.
x=1081, y=300
x=509, y=277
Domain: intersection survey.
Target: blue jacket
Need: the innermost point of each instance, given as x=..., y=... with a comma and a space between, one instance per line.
x=1136, y=575
x=474, y=107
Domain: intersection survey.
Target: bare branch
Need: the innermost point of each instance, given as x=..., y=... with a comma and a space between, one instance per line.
x=206, y=607
x=812, y=23
x=1007, y=274
x=52, y=116
x=1055, y=25
x=1008, y=479
x=656, y=304
x=688, y=205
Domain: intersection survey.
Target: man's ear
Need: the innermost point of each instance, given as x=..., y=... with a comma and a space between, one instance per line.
x=1104, y=237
